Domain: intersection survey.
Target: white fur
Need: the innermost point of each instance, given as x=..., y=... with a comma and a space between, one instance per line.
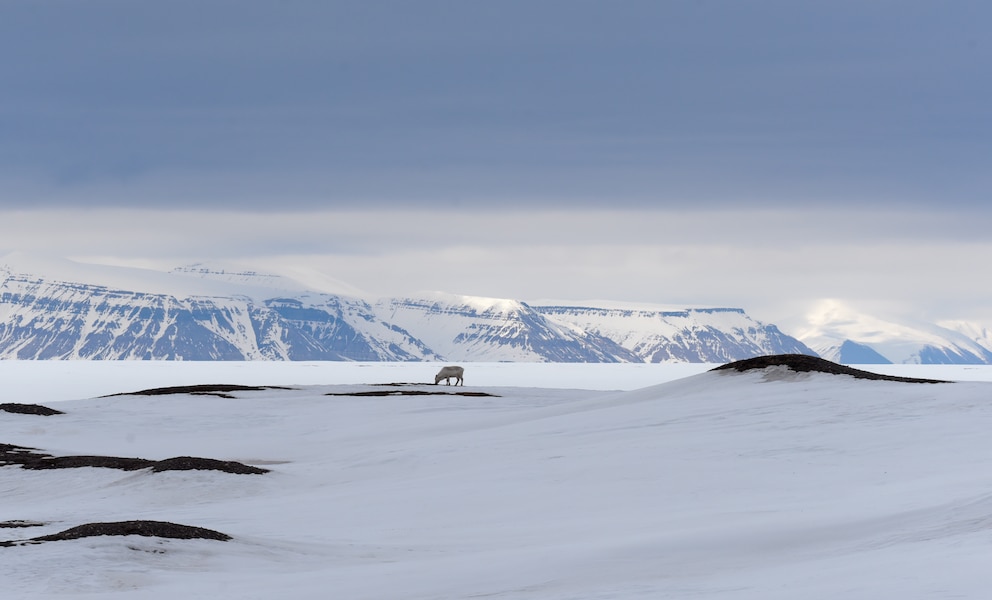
x=447, y=373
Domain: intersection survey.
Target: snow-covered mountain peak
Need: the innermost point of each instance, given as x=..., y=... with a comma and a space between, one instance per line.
x=195, y=280
x=830, y=323
x=645, y=307
x=63, y=270
x=980, y=333
x=219, y=272
x=835, y=319
x=316, y=280
x=286, y=276
x=479, y=304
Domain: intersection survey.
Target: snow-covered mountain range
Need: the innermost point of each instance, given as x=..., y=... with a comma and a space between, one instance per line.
x=60, y=309
x=713, y=335
x=67, y=310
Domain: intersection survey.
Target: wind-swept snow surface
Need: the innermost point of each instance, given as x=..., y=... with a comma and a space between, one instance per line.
x=764, y=484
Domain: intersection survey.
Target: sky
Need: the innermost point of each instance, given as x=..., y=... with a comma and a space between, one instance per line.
x=761, y=155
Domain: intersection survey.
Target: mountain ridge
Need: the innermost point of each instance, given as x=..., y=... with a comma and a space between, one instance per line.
x=60, y=309
x=220, y=314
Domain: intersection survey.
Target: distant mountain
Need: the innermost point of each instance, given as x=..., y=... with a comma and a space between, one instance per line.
x=693, y=335
x=65, y=320
x=66, y=310
x=491, y=329
x=978, y=333
x=853, y=353
x=840, y=333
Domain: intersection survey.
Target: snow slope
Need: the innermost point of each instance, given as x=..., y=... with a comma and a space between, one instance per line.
x=980, y=334
x=761, y=485
x=193, y=280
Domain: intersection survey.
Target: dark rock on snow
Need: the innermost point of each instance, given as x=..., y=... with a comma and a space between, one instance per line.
x=214, y=389
x=29, y=409
x=802, y=363
x=29, y=458
x=162, y=529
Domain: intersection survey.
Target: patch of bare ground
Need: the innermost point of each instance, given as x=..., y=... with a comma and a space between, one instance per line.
x=222, y=390
x=802, y=363
x=411, y=393
x=29, y=409
x=193, y=463
x=30, y=458
x=162, y=529
x=19, y=524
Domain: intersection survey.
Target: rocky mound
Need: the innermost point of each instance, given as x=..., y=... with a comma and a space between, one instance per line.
x=162, y=529
x=212, y=389
x=29, y=409
x=802, y=363
x=195, y=463
x=30, y=458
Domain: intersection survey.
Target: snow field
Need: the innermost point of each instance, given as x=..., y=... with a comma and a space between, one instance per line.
x=759, y=485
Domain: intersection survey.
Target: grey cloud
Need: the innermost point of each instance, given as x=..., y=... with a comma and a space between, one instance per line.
x=308, y=104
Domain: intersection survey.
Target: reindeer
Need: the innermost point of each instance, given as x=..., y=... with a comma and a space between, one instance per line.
x=447, y=373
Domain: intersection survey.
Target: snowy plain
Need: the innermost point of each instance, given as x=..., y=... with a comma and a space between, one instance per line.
x=569, y=482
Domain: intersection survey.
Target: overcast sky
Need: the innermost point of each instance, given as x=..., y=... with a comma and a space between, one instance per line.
x=760, y=154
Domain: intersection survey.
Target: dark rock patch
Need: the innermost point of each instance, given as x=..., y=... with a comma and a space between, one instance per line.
x=802, y=363
x=15, y=455
x=29, y=409
x=15, y=448
x=162, y=529
x=410, y=393
x=30, y=458
x=76, y=462
x=18, y=524
x=219, y=389
x=190, y=463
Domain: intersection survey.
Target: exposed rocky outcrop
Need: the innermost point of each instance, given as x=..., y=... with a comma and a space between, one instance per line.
x=802, y=363
x=209, y=389
x=162, y=529
x=29, y=409
x=30, y=458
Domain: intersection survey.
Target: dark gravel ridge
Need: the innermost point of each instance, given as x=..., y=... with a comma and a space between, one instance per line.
x=29, y=409
x=30, y=458
x=372, y=393
x=162, y=529
x=19, y=524
x=212, y=389
x=802, y=363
